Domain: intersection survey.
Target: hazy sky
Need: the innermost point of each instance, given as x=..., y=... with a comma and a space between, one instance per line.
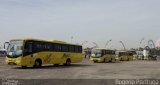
x=91, y=20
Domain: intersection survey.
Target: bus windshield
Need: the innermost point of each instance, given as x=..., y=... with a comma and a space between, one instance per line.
x=117, y=54
x=15, y=48
x=96, y=53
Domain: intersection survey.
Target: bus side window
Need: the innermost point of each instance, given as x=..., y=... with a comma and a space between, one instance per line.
x=76, y=49
x=30, y=47
x=107, y=52
x=80, y=49
x=114, y=52
x=71, y=48
x=103, y=53
x=57, y=47
x=65, y=48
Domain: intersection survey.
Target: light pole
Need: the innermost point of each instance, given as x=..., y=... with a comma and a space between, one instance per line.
x=84, y=42
x=122, y=45
x=107, y=42
x=95, y=44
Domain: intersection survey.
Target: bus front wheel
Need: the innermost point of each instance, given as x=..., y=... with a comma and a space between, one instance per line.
x=68, y=62
x=38, y=63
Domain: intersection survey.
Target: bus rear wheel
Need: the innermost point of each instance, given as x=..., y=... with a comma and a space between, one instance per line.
x=95, y=61
x=68, y=62
x=111, y=60
x=37, y=64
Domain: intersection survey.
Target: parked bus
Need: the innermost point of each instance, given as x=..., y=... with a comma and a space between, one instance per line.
x=102, y=55
x=35, y=52
x=124, y=55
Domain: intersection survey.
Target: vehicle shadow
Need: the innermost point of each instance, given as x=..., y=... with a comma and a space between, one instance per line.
x=56, y=66
x=110, y=62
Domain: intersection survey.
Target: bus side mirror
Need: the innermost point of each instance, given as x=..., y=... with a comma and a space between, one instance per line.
x=6, y=43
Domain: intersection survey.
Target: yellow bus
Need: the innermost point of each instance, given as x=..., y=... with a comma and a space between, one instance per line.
x=124, y=55
x=35, y=52
x=102, y=55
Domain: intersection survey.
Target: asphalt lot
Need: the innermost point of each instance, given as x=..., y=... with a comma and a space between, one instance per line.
x=86, y=70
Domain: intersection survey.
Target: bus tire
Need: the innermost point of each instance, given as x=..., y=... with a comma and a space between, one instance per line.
x=68, y=62
x=104, y=60
x=95, y=61
x=111, y=60
x=121, y=59
x=38, y=63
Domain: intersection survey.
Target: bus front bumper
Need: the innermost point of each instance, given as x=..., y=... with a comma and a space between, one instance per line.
x=13, y=61
x=117, y=59
x=96, y=59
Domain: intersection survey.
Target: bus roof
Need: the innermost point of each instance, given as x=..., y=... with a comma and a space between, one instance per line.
x=102, y=49
x=52, y=41
x=121, y=51
x=124, y=51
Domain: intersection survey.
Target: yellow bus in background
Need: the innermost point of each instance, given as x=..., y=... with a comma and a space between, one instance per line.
x=124, y=55
x=102, y=55
x=35, y=52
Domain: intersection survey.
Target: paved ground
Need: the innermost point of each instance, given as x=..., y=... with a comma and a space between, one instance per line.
x=85, y=70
